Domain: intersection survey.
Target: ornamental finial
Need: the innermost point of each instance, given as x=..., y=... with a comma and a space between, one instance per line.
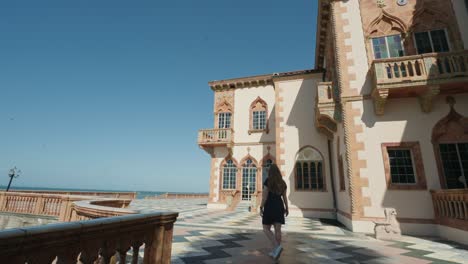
x=381, y=3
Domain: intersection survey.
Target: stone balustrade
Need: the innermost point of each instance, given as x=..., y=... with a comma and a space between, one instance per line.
x=65, y=207
x=38, y=204
x=451, y=207
x=103, y=240
x=122, y=195
x=424, y=69
x=92, y=209
x=180, y=196
x=424, y=76
x=215, y=136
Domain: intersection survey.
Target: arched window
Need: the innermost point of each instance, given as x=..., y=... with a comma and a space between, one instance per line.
x=229, y=175
x=309, y=170
x=249, y=179
x=266, y=167
x=450, y=139
x=223, y=114
x=258, y=116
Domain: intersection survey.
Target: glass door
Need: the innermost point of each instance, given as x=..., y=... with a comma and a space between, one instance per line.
x=455, y=164
x=249, y=179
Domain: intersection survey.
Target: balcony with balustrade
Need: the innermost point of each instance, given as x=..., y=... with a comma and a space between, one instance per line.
x=94, y=230
x=219, y=137
x=327, y=112
x=424, y=76
x=451, y=208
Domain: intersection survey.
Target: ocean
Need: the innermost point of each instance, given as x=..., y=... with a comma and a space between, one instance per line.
x=140, y=194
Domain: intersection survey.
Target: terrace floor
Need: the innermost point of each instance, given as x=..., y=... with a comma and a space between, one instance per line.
x=204, y=235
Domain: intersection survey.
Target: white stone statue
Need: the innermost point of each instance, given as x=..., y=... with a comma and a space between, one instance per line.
x=390, y=229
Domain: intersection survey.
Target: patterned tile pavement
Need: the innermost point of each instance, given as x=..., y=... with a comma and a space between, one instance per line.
x=204, y=235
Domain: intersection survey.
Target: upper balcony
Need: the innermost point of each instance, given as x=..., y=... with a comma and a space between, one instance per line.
x=423, y=76
x=215, y=137
x=326, y=110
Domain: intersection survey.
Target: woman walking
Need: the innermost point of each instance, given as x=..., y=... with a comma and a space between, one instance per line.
x=274, y=208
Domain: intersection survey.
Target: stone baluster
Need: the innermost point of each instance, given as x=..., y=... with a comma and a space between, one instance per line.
x=136, y=251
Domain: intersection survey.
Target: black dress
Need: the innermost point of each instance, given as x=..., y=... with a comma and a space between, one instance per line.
x=273, y=211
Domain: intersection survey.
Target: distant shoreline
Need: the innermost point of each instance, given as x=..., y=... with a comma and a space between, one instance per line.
x=140, y=194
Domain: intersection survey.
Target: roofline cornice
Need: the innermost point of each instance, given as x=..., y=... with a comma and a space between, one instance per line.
x=260, y=80
x=323, y=19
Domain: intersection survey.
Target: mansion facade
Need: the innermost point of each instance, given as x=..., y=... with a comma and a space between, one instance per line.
x=381, y=122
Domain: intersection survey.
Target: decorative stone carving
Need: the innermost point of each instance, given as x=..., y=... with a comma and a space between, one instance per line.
x=229, y=198
x=386, y=24
x=390, y=229
x=224, y=99
x=380, y=98
x=381, y=3
x=427, y=98
x=452, y=128
x=426, y=18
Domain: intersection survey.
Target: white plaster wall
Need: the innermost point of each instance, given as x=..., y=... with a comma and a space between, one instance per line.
x=219, y=153
x=299, y=131
x=453, y=234
x=243, y=98
x=461, y=13
x=403, y=121
x=257, y=151
x=419, y=229
x=356, y=40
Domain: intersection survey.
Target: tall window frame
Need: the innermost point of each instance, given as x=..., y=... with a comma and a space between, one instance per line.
x=454, y=161
x=448, y=131
x=309, y=170
x=258, y=116
x=249, y=179
x=431, y=41
x=224, y=120
x=229, y=175
x=388, y=49
x=416, y=164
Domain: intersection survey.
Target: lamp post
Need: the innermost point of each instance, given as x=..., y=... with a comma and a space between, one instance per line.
x=13, y=173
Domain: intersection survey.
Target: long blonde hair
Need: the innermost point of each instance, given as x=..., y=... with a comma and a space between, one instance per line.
x=276, y=184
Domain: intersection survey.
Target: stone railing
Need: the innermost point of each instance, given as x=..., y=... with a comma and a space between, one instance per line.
x=123, y=195
x=326, y=111
x=64, y=207
x=432, y=68
x=215, y=136
x=84, y=210
x=451, y=207
x=104, y=240
x=38, y=204
x=179, y=196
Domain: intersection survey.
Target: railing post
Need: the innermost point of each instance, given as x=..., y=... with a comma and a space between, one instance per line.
x=39, y=206
x=65, y=209
x=2, y=201
x=159, y=250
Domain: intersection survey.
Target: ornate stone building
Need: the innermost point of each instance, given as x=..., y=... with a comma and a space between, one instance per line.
x=381, y=122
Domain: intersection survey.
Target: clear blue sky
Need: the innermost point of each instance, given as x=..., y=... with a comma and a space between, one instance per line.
x=110, y=94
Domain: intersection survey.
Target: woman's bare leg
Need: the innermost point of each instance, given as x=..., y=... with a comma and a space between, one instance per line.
x=270, y=235
x=277, y=233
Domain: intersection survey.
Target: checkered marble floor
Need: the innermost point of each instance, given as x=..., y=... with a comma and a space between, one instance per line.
x=204, y=235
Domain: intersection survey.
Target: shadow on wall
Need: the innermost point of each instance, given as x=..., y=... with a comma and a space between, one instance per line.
x=268, y=149
x=302, y=117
